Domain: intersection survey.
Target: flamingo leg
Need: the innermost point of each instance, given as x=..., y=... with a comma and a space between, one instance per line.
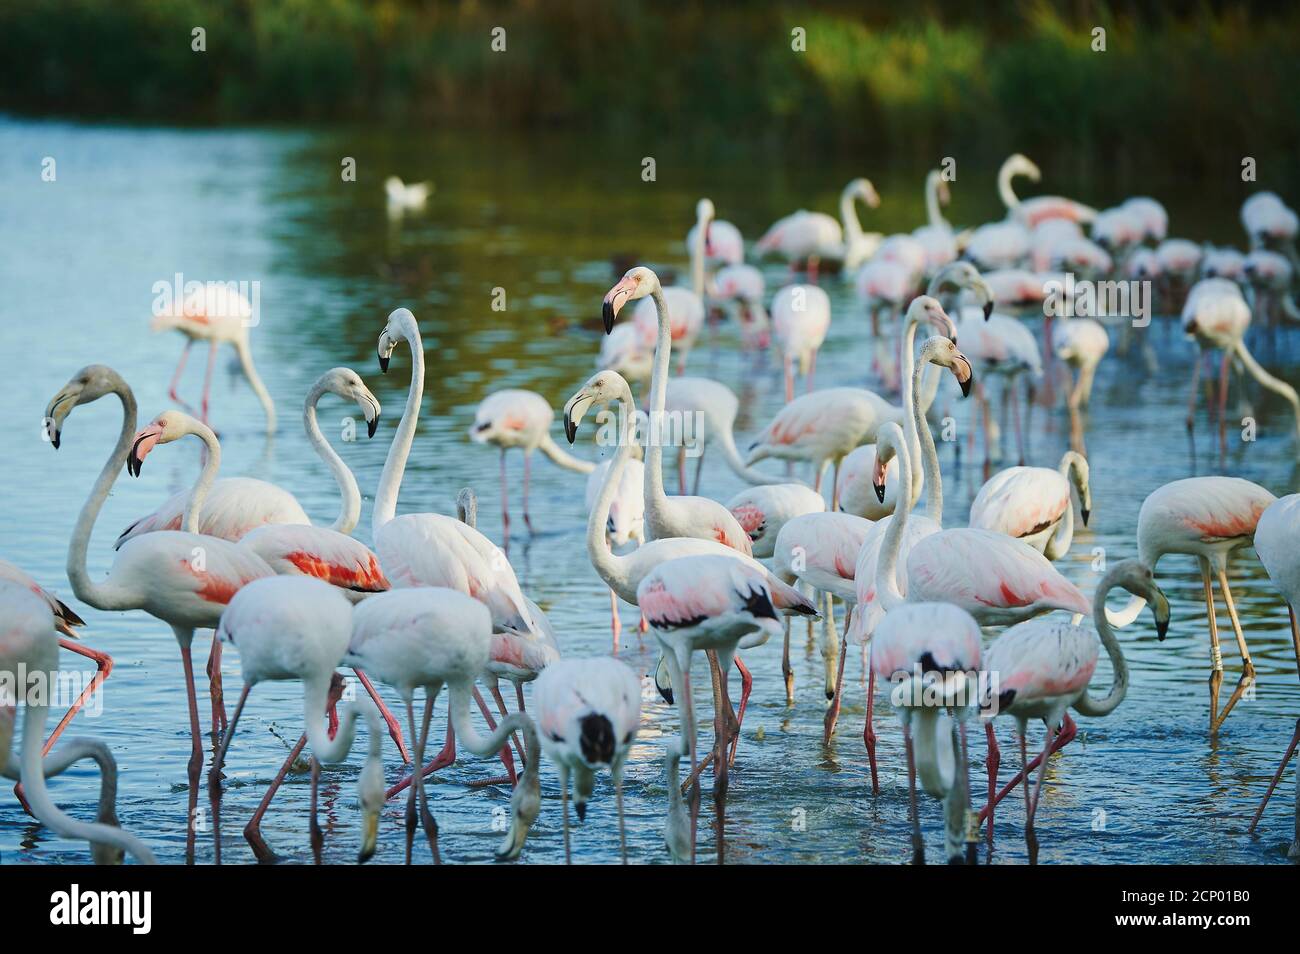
x=1031, y=840
x=214, y=776
x=313, y=822
x=1247, y=664
x=528, y=467
x=1216, y=654
x=505, y=714
x=681, y=471
x=869, y=733
x=618, y=799
x=214, y=689
x=507, y=759
x=427, y=820
x=253, y=830
x=786, y=669
x=832, y=657
x=1281, y=766
x=615, y=624
x=994, y=760
x=833, y=712
x=1063, y=738
x=918, y=846
x=1191, y=401
x=196, y=749
x=835, y=486
x=207, y=380
x=564, y=801
x=746, y=685
x=505, y=502
x=444, y=758
x=412, y=818
x=812, y=371
x=176, y=377
x=699, y=466
x=394, y=727
x=1015, y=417
x=789, y=377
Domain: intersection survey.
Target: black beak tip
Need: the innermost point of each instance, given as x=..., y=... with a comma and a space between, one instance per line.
x=988, y=310
x=383, y=364
x=365, y=856
x=570, y=429
x=55, y=440
x=372, y=426
x=607, y=313
x=1162, y=629
x=880, y=492
x=967, y=385
x=134, y=465
x=581, y=809
x=1084, y=513
x=667, y=695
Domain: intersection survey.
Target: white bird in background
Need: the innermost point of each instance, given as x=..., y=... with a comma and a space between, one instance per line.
x=801, y=317
x=811, y=239
x=406, y=196
x=588, y=713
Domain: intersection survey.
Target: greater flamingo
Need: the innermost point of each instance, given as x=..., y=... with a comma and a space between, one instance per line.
x=217, y=313
x=299, y=628
x=1154, y=218
x=519, y=418
x=626, y=522
x=707, y=602
x=1208, y=518
x=763, y=511
x=29, y=644
x=1040, y=207
x=1041, y=668
x=1033, y=504
x=588, y=713
x=801, y=316
x=811, y=238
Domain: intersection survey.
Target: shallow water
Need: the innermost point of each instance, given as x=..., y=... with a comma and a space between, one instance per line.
x=131, y=207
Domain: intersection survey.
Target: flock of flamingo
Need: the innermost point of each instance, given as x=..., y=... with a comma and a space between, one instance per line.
x=963, y=621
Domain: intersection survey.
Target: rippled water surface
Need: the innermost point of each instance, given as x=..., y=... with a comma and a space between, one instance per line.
x=131, y=207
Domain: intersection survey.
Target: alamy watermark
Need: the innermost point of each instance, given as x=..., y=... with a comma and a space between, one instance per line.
x=683, y=429
x=40, y=687
x=1084, y=298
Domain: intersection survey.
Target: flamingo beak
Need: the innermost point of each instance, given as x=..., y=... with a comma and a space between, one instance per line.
x=614, y=301
x=1084, y=511
x=574, y=411
x=961, y=369
x=878, y=480
x=369, y=835
x=373, y=425
x=144, y=442
x=988, y=309
x=581, y=809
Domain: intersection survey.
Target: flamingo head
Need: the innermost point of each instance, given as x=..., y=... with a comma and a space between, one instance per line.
x=864, y=190
x=888, y=442
x=963, y=275
x=943, y=352
x=401, y=324
x=704, y=216
x=1021, y=165
x=163, y=429
x=927, y=308
x=89, y=384
x=348, y=385
x=1136, y=577
x=601, y=388
x=636, y=283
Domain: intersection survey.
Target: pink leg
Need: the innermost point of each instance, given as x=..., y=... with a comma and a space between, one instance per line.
x=615, y=624
x=444, y=758
x=507, y=759
x=833, y=713
x=746, y=684
x=1031, y=840
x=869, y=732
x=196, y=749
x=394, y=727
x=994, y=760
x=253, y=830
x=1049, y=395
x=812, y=371
x=505, y=502
x=505, y=714
x=1191, y=401
x=528, y=466
x=789, y=379
x=207, y=381
x=1290, y=751
x=214, y=689
x=1068, y=731
x=918, y=846
x=176, y=378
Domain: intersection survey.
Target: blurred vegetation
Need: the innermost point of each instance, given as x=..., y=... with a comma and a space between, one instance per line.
x=1189, y=86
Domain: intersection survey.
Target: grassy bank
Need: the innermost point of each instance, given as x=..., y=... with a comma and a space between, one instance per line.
x=1195, y=90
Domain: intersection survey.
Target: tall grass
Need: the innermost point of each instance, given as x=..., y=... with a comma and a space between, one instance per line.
x=1196, y=89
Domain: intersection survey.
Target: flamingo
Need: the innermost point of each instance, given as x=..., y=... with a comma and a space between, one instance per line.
x=1042, y=667
x=824, y=426
x=1268, y=280
x=64, y=621
x=1270, y=223
x=1041, y=207
x=763, y=511
x=1118, y=231
x=745, y=286
x=998, y=245
x=1033, y=504
x=677, y=516
x=406, y=196
x=238, y=505
x=292, y=549
x=1208, y=518
x=1178, y=261
x=588, y=712
x=180, y=577
x=1224, y=262
x=936, y=236
x=518, y=418
x=29, y=644
x=429, y=637
x=715, y=603
x=801, y=316
x=626, y=522
x=219, y=314
x=1080, y=343
x=1216, y=316
x=1154, y=218
x=1275, y=537
x=626, y=350
x=930, y=653
x=999, y=346
x=815, y=237
x=723, y=243
x=299, y=628
x=716, y=408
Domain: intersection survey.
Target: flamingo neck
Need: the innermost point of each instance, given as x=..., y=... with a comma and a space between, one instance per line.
x=315, y=703
x=1008, y=196
x=1086, y=704
x=390, y=481
x=100, y=595
x=349, y=493
x=929, y=456
x=255, y=382
x=933, y=213
x=887, y=589
x=610, y=567
x=697, y=256
x=207, y=476
x=849, y=214
x=655, y=497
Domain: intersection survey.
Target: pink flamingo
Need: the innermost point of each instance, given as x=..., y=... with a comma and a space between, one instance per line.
x=518, y=418
x=1270, y=223
x=238, y=505
x=1041, y=668
x=1080, y=343
x=1208, y=518
x=763, y=511
x=588, y=712
x=1033, y=504
x=715, y=407
x=936, y=237
x=180, y=577
x=1216, y=316
x=627, y=350
x=28, y=643
x=1154, y=218
x=299, y=628
x=1275, y=536
x=429, y=637
x=723, y=243
x=64, y=621
x=1001, y=347
x=677, y=516
x=1041, y=207
x=824, y=426
x=743, y=286
x=218, y=314
x=930, y=653
x=801, y=316
x=715, y=603
x=811, y=238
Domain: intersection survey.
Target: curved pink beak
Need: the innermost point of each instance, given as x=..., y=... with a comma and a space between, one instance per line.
x=144, y=442
x=614, y=301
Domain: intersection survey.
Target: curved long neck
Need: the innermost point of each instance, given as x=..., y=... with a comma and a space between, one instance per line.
x=726, y=441
x=1071, y=468
x=655, y=498
x=906, y=373
x=385, y=506
x=929, y=458
x=100, y=595
x=43, y=807
x=1009, y=198
x=207, y=476
x=562, y=458
x=315, y=701
x=887, y=589
x=1270, y=382
x=1086, y=704
x=255, y=382
x=697, y=257
x=611, y=568
x=849, y=214
x=349, y=493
